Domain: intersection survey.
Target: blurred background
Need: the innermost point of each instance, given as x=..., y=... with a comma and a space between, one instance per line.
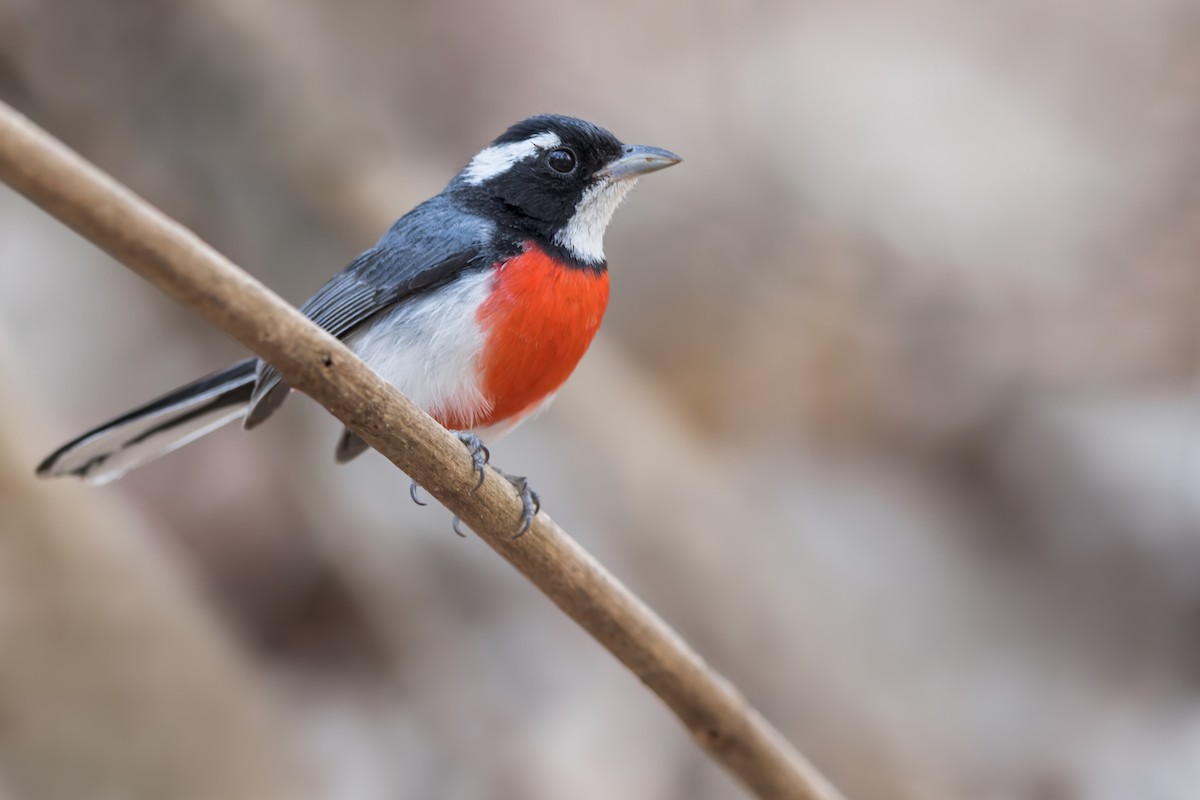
x=895, y=413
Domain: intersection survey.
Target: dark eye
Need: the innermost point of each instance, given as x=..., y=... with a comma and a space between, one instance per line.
x=561, y=160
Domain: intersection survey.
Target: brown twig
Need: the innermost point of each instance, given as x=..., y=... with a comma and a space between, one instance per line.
x=176, y=261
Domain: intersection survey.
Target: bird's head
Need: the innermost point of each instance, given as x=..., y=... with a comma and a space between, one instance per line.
x=559, y=180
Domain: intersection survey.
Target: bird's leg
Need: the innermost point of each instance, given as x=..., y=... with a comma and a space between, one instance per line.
x=479, y=459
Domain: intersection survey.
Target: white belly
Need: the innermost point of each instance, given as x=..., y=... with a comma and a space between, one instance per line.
x=429, y=347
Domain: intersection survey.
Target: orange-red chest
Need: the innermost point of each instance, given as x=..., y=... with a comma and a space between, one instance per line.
x=538, y=321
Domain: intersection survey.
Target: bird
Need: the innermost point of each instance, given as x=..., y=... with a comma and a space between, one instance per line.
x=477, y=305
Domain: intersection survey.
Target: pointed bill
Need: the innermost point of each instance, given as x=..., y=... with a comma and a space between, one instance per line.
x=638, y=159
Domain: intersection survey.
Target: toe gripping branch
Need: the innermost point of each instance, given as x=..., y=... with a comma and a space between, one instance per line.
x=480, y=455
x=479, y=459
x=531, y=503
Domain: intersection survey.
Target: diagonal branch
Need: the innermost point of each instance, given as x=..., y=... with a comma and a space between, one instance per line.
x=176, y=261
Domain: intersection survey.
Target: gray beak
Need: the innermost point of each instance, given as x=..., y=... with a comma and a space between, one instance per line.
x=638, y=159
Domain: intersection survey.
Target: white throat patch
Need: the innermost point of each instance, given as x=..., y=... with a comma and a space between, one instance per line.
x=583, y=235
x=493, y=161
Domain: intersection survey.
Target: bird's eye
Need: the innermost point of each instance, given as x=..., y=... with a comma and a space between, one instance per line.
x=561, y=160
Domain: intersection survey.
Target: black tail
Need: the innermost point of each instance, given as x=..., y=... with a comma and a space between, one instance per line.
x=157, y=428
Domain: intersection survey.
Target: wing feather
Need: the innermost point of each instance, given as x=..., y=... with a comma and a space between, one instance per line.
x=430, y=245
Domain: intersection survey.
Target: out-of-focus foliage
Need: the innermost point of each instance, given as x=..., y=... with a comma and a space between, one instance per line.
x=894, y=412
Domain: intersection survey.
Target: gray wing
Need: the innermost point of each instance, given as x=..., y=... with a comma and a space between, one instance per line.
x=423, y=249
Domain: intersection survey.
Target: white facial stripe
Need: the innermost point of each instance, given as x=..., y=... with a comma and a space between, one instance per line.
x=493, y=161
x=583, y=235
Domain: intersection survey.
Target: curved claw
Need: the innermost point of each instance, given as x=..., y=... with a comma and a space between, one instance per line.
x=412, y=492
x=480, y=455
x=531, y=503
x=455, y=525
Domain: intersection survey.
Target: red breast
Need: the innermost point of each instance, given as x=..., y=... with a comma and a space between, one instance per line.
x=538, y=321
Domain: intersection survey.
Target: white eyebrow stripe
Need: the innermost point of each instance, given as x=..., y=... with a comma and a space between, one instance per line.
x=492, y=161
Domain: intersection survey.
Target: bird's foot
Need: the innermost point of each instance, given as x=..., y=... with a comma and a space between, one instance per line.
x=479, y=459
x=531, y=504
x=479, y=453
